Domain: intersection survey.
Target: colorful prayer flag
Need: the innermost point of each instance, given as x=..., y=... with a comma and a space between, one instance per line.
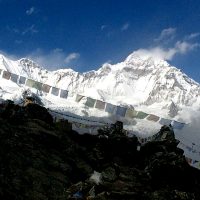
x=34, y=84
x=63, y=94
x=130, y=113
x=79, y=97
x=110, y=108
x=165, y=121
x=100, y=105
x=6, y=75
x=55, y=91
x=121, y=111
x=90, y=102
x=153, y=118
x=141, y=115
x=22, y=80
x=14, y=78
x=46, y=88
x=177, y=125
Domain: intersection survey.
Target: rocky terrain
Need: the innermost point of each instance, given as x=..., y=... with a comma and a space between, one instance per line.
x=45, y=160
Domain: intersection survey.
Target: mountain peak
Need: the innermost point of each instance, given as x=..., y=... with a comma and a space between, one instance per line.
x=26, y=62
x=1, y=56
x=143, y=56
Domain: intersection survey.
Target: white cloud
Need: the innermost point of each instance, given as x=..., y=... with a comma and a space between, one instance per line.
x=30, y=11
x=190, y=133
x=30, y=29
x=55, y=59
x=184, y=47
x=179, y=47
x=125, y=27
x=167, y=54
x=192, y=36
x=166, y=34
x=71, y=56
x=157, y=53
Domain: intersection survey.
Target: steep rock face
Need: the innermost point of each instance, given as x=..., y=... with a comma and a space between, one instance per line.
x=32, y=70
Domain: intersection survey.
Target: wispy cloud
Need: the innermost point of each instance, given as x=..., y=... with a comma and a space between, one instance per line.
x=174, y=47
x=192, y=36
x=166, y=35
x=125, y=26
x=30, y=29
x=30, y=11
x=168, y=54
x=71, y=56
x=184, y=47
x=13, y=30
x=55, y=59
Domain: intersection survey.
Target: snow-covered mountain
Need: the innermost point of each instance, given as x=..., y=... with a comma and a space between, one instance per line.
x=139, y=81
x=148, y=84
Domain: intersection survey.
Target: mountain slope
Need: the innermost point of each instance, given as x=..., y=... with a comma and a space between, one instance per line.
x=138, y=81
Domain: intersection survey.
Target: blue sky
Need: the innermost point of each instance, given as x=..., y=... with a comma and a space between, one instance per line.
x=84, y=34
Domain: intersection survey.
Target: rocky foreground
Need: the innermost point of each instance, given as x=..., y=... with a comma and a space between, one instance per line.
x=43, y=160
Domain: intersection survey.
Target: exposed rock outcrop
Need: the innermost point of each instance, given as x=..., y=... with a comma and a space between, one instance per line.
x=40, y=159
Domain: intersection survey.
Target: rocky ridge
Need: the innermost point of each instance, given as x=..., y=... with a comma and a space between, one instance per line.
x=43, y=159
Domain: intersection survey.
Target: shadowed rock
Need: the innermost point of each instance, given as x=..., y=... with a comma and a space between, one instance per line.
x=40, y=159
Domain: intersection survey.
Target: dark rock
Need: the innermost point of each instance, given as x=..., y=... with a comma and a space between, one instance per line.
x=35, y=111
x=40, y=159
x=109, y=175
